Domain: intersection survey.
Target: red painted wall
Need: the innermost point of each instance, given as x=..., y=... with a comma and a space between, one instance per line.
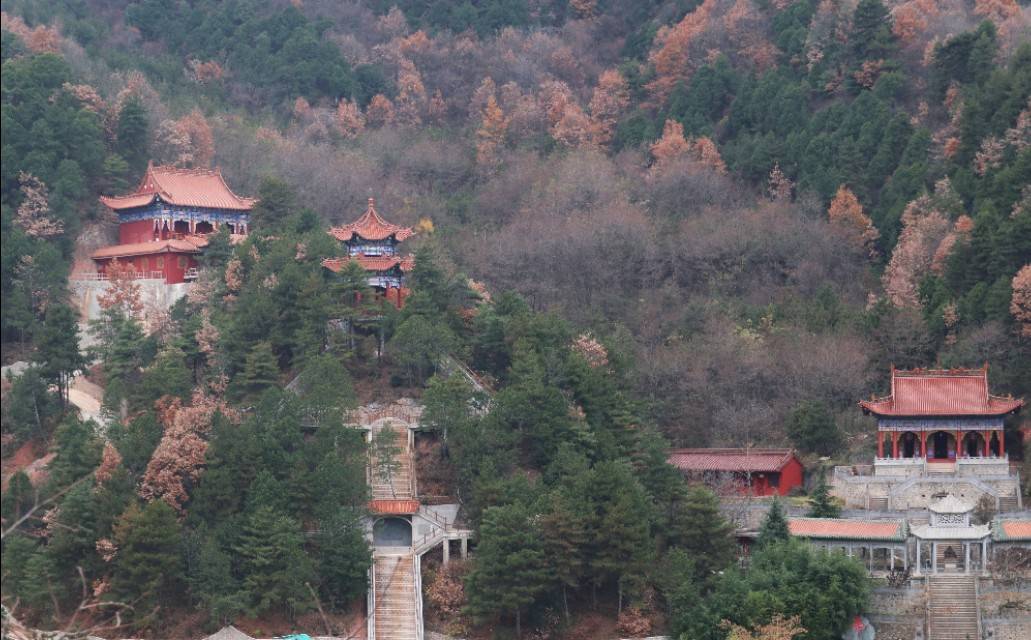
x=791, y=476
x=137, y=231
x=172, y=266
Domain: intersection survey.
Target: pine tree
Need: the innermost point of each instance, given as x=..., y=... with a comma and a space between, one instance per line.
x=343, y=557
x=213, y=584
x=261, y=370
x=822, y=504
x=273, y=563
x=565, y=540
x=277, y=201
x=58, y=353
x=148, y=568
x=871, y=37
x=700, y=528
x=510, y=569
x=131, y=132
x=775, y=526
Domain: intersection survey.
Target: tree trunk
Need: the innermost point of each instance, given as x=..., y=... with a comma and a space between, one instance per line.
x=619, y=600
x=519, y=628
x=565, y=603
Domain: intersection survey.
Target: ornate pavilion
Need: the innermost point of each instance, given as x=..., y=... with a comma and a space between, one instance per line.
x=163, y=225
x=940, y=415
x=372, y=242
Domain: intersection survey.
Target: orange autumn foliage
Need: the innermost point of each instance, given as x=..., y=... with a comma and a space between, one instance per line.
x=673, y=144
x=847, y=214
x=1020, y=306
x=611, y=97
x=380, y=111
x=671, y=55
x=491, y=134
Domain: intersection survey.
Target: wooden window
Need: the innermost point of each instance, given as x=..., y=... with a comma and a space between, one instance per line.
x=159, y=263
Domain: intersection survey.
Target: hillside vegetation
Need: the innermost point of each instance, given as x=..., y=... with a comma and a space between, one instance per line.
x=644, y=223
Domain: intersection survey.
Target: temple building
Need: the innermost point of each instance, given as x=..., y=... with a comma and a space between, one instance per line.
x=373, y=242
x=757, y=472
x=938, y=431
x=940, y=415
x=163, y=225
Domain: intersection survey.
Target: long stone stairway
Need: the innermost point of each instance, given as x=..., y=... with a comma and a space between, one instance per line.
x=399, y=485
x=952, y=608
x=396, y=607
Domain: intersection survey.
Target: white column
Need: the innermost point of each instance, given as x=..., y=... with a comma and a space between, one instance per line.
x=984, y=556
x=918, y=565
x=934, y=557
x=892, y=561
x=465, y=547
x=447, y=551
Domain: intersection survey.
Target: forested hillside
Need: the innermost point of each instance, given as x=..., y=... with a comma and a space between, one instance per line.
x=643, y=223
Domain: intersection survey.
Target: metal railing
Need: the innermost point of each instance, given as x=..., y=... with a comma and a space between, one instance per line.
x=85, y=276
x=417, y=570
x=371, y=601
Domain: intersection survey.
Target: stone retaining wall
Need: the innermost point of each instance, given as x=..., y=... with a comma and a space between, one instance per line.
x=897, y=614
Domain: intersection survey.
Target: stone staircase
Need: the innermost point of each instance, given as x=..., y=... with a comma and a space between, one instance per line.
x=399, y=486
x=397, y=612
x=952, y=608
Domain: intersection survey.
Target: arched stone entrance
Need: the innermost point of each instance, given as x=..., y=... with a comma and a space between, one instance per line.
x=392, y=532
x=909, y=445
x=941, y=445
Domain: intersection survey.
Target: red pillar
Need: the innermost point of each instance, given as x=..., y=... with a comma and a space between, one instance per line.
x=880, y=444
x=1002, y=443
x=894, y=444
x=923, y=445
x=987, y=438
x=959, y=442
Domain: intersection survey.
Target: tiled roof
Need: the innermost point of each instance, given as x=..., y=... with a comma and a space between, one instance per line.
x=1011, y=530
x=948, y=532
x=371, y=263
x=846, y=529
x=183, y=187
x=370, y=226
x=730, y=459
x=147, y=248
x=396, y=507
x=941, y=392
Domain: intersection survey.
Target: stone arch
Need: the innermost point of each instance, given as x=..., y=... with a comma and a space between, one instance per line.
x=392, y=531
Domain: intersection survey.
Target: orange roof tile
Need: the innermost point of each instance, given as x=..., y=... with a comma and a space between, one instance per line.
x=370, y=226
x=183, y=187
x=148, y=248
x=845, y=529
x=941, y=392
x=371, y=263
x=1012, y=530
x=759, y=460
x=396, y=507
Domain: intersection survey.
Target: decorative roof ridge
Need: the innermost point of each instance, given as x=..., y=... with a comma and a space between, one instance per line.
x=216, y=172
x=957, y=372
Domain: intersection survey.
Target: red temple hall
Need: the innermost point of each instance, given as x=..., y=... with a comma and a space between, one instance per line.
x=761, y=472
x=939, y=415
x=372, y=242
x=163, y=225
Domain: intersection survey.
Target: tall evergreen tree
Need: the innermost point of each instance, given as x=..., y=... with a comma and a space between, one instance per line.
x=822, y=504
x=273, y=563
x=58, y=353
x=343, y=557
x=261, y=370
x=148, y=568
x=774, y=527
x=700, y=528
x=510, y=570
x=132, y=135
x=565, y=540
